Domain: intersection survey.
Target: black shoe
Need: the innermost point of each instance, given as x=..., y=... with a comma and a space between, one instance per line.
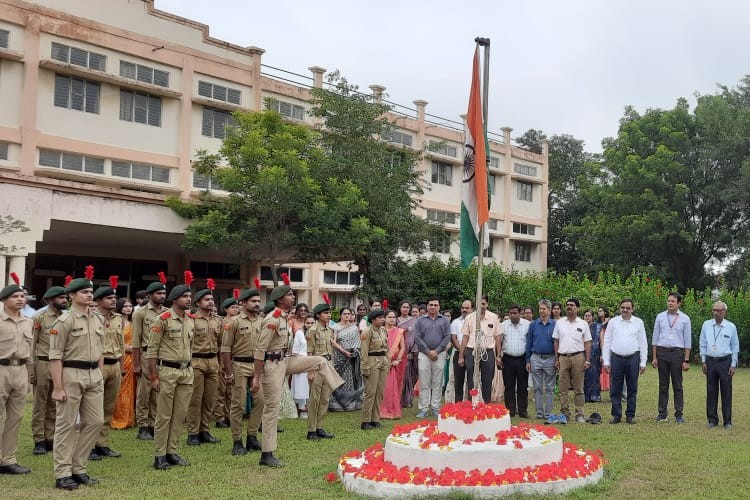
x=323, y=434
x=253, y=444
x=94, y=455
x=206, y=437
x=523, y=415
x=14, y=469
x=615, y=420
x=160, y=463
x=366, y=426
x=728, y=425
x=630, y=420
x=50, y=444
x=40, y=448
x=267, y=459
x=175, y=459
x=144, y=434
x=279, y=429
x=313, y=436
x=711, y=425
x=375, y=425
x=238, y=449
x=222, y=423
x=66, y=483
x=106, y=451
x=84, y=479
x=346, y=398
x=193, y=440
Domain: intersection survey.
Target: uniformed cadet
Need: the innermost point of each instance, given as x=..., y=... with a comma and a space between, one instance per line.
x=205, y=364
x=112, y=370
x=171, y=375
x=143, y=317
x=75, y=359
x=43, y=413
x=272, y=366
x=230, y=308
x=319, y=338
x=375, y=366
x=241, y=334
x=15, y=372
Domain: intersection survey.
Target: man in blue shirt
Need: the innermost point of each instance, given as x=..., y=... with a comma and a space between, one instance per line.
x=432, y=334
x=719, y=348
x=540, y=359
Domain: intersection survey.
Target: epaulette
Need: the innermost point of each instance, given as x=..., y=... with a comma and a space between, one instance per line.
x=190, y=315
x=276, y=313
x=166, y=315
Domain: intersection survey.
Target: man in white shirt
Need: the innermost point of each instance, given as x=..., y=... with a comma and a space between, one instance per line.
x=458, y=375
x=491, y=330
x=513, y=365
x=572, y=339
x=624, y=357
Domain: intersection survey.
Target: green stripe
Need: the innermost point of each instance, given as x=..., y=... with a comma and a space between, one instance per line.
x=469, y=241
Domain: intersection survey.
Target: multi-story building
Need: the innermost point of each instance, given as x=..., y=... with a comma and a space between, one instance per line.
x=103, y=106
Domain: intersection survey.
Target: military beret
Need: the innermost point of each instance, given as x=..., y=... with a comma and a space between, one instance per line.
x=268, y=307
x=155, y=287
x=228, y=303
x=78, y=284
x=178, y=292
x=202, y=293
x=248, y=293
x=321, y=308
x=374, y=314
x=279, y=292
x=104, y=291
x=9, y=290
x=53, y=292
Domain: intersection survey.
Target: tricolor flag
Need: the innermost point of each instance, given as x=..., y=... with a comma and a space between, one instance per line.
x=474, y=196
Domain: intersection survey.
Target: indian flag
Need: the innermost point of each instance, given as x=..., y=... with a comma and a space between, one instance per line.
x=474, y=196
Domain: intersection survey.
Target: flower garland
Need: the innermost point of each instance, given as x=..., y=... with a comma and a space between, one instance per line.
x=431, y=435
x=466, y=412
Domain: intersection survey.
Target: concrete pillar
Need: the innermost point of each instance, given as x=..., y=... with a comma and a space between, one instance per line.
x=255, y=79
x=185, y=147
x=318, y=73
x=377, y=92
x=506, y=134
x=3, y=271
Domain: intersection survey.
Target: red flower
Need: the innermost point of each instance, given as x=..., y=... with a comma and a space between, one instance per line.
x=332, y=477
x=416, y=391
x=474, y=392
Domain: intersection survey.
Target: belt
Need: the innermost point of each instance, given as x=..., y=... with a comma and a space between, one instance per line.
x=180, y=365
x=204, y=355
x=274, y=356
x=243, y=359
x=545, y=355
x=378, y=353
x=636, y=353
x=570, y=354
x=111, y=361
x=514, y=357
x=42, y=358
x=12, y=362
x=670, y=349
x=81, y=365
x=722, y=358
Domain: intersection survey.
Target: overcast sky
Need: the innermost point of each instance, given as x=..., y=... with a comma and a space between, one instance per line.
x=563, y=67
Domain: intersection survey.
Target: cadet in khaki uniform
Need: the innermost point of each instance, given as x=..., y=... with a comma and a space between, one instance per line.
x=375, y=366
x=205, y=368
x=230, y=308
x=241, y=334
x=43, y=414
x=319, y=344
x=272, y=366
x=145, y=400
x=75, y=359
x=15, y=352
x=172, y=379
x=112, y=370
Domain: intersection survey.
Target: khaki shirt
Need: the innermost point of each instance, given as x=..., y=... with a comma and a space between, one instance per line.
x=114, y=340
x=171, y=337
x=319, y=340
x=374, y=340
x=77, y=336
x=15, y=337
x=142, y=320
x=207, y=334
x=241, y=335
x=274, y=334
x=43, y=322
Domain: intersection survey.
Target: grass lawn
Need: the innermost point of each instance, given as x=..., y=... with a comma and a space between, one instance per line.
x=646, y=460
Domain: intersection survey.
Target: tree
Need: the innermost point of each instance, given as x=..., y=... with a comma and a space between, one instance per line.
x=10, y=224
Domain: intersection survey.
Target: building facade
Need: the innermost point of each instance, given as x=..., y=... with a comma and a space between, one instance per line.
x=104, y=105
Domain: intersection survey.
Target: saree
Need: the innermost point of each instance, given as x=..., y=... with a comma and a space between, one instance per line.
x=411, y=374
x=391, y=405
x=124, y=415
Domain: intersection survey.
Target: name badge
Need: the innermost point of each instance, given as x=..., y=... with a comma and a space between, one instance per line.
x=714, y=348
x=76, y=330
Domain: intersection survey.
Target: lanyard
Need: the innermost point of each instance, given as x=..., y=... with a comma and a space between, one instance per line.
x=671, y=325
x=716, y=335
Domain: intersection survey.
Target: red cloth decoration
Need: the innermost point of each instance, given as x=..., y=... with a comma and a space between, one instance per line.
x=68, y=279
x=188, y=277
x=276, y=313
x=236, y=294
x=256, y=281
x=385, y=304
x=285, y=279
x=326, y=299
x=211, y=284
x=89, y=273
x=162, y=278
x=113, y=281
x=16, y=279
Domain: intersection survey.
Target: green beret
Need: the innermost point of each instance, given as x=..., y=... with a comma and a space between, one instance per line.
x=248, y=292
x=104, y=291
x=155, y=287
x=78, y=284
x=268, y=307
x=279, y=292
x=374, y=314
x=9, y=290
x=321, y=308
x=228, y=303
x=202, y=293
x=178, y=292
x=53, y=292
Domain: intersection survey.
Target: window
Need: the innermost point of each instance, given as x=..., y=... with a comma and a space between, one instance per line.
x=494, y=162
x=4, y=38
x=522, y=169
x=525, y=191
x=341, y=278
x=140, y=107
x=523, y=228
x=205, y=182
x=487, y=252
x=140, y=171
x=443, y=149
x=442, y=173
x=441, y=216
x=215, y=270
x=215, y=122
x=219, y=92
x=295, y=274
x=3, y=150
x=288, y=109
x=71, y=161
x=492, y=180
x=79, y=57
x=523, y=252
x=77, y=93
x=492, y=224
x=145, y=74
x=401, y=138
x=441, y=243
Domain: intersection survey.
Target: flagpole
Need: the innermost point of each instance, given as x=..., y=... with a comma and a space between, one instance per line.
x=479, y=350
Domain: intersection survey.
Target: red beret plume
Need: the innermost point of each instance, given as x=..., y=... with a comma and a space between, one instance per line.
x=276, y=313
x=89, y=273
x=236, y=294
x=256, y=282
x=15, y=278
x=285, y=279
x=326, y=299
x=385, y=304
x=162, y=278
x=68, y=279
x=211, y=284
x=188, y=277
x=113, y=281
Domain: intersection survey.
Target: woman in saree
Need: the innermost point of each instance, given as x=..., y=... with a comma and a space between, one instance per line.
x=124, y=415
x=391, y=406
x=346, y=346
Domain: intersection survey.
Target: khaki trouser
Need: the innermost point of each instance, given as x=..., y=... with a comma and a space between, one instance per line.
x=275, y=375
x=145, y=401
x=317, y=406
x=205, y=385
x=112, y=379
x=571, y=370
x=374, y=389
x=14, y=382
x=243, y=375
x=223, y=399
x=43, y=414
x=175, y=387
x=85, y=391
